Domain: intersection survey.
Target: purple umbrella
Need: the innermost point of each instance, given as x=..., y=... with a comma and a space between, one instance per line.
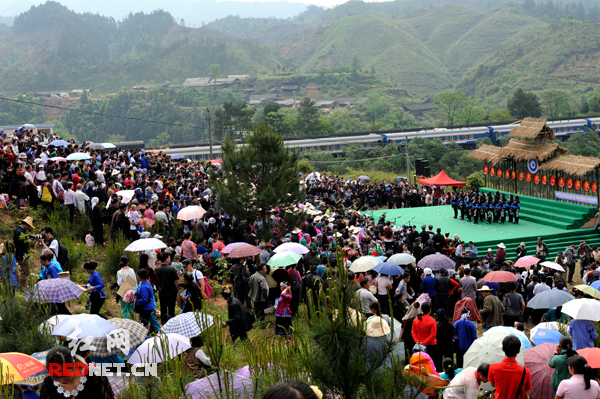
x=292, y=247
x=207, y=388
x=436, y=261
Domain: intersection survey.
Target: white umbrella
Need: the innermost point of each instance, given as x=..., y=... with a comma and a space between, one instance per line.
x=292, y=247
x=550, y=325
x=583, y=309
x=525, y=343
x=191, y=212
x=28, y=126
x=364, y=264
x=552, y=265
x=147, y=244
x=488, y=349
x=313, y=175
x=158, y=349
x=84, y=325
x=402, y=259
x=127, y=196
x=108, y=145
x=78, y=156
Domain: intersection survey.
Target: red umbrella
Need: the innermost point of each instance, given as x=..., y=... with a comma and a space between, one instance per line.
x=592, y=355
x=500, y=277
x=243, y=251
x=536, y=360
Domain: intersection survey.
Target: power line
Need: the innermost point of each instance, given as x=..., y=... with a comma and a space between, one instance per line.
x=98, y=113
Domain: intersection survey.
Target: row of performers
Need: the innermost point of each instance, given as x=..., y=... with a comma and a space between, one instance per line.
x=489, y=210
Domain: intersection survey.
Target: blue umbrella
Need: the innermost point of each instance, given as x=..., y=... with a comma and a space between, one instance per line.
x=363, y=177
x=544, y=335
x=177, y=156
x=391, y=269
x=550, y=299
x=59, y=143
x=596, y=285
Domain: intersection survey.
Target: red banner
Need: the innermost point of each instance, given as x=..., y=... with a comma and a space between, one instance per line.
x=586, y=185
x=561, y=182
x=536, y=178
x=544, y=180
x=577, y=184
x=485, y=170
x=569, y=183
x=552, y=180
x=528, y=176
x=521, y=176
x=499, y=172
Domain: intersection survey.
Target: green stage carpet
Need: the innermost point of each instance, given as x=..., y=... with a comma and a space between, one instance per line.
x=442, y=217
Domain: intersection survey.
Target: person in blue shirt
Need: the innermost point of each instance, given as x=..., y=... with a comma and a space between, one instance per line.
x=583, y=333
x=144, y=297
x=50, y=267
x=466, y=333
x=428, y=283
x=96, y=287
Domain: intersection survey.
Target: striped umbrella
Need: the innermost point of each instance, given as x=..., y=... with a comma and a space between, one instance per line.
x=436, y=261
x=16, y=367
x=500, y=277
x=188, y=324
x=229, y=247
x=536, y=360
x=135, y=334
x=54, y=290
x=244, y=250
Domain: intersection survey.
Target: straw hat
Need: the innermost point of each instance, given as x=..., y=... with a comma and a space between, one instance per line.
x=28, y=220
x=501, y=245
x=484, y=288
x=377, y=327
x=296, y=231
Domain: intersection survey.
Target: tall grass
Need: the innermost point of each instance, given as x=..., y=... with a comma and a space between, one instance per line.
x=114, y=250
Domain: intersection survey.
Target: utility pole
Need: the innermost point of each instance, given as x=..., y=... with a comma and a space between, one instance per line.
x=407, y=162
x=209, y=134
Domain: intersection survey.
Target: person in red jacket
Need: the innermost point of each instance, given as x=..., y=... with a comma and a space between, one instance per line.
x=424, y=332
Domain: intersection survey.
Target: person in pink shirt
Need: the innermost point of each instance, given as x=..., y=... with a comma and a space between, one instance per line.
x=188, y=249
x=283, y=314
x=581, y=385
x=149, y=213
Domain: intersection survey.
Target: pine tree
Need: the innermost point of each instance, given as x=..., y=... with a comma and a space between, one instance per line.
x=522, y=105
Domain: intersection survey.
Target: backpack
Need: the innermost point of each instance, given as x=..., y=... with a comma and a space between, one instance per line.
x=46, y=196
x=216, y=254
x=63, y=255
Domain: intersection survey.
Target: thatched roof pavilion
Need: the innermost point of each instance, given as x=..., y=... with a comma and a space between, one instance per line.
x=533, y=128
x=489, y=154
x=521, y=150
x=572, y=164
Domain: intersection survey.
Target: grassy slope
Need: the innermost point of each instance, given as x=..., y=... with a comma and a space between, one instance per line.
x=378, y=43
x=565, y=56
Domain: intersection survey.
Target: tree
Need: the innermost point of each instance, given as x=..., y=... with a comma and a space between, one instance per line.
x=498, y=115
x=257, y=177
x=586, y=144
x=522, y=105
x=355, y=64
x=308, y=115
x=584, y=107
x=529, y=5
x=556, y=103
x=449, y=103
x=474, y=181
x=233, y=117
x=215, y=73
x=471, y=112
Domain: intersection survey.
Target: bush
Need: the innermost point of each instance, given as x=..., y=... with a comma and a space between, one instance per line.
x=305, y=167
x=114, y=251
x=475, y=181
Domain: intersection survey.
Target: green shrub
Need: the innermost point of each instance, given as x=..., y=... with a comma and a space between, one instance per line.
x=114, y=250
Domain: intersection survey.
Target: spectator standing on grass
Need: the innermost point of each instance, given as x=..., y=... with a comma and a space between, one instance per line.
x=511, y=380
x=492, y=311
x=168, y=286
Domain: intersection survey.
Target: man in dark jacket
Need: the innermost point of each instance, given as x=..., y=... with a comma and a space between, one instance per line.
x=429, y=249
x=442, y=287
x=312, y=281
x=238, y=321
x=22, y=248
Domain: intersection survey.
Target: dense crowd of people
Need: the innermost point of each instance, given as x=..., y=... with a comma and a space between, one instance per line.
x=440, y=309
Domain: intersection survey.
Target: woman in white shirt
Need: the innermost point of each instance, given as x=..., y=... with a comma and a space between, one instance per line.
x=383, y=284
x=127, y=309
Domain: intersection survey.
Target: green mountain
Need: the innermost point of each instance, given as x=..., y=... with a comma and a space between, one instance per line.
x=379, y=44
x=565, y=56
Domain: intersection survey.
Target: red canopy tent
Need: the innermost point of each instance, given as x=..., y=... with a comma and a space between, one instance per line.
x=441, y=179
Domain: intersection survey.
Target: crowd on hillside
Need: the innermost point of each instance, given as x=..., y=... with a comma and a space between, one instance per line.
x=439, y=305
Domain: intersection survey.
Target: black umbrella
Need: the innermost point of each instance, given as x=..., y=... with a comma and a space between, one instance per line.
x=96, y=147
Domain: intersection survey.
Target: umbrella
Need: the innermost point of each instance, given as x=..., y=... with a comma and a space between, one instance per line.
x=527, y=261
x=583, y=309
x=284, y=259
x=589, y=290
x=145, y=244
x=239, y=384
x=363, y=177
x=488, y=349
x=552, y=265
x=292, y=247
x=536, y=361
x=96, y=147
x=550, y=299
x=179, y=337
x=244, y=251
x=364, y=264
x=500, y=277
x=313, y=175
x=543, y=335
x=549, y=325
x=177, y=156
x=592, y=355
x=158, y=349
x=54, y=290
x=525, y=343
x=78, y=156
x=137, y=332
x=230, y=247
x=109, y=145
x=39, y=377
x=16, y=367
x=191, y=212
x=436, y=261
x=391, y=269
x=127, y=195
x=595, y=284
x=188, y=324
x=83, y=326
x=52, y=322
x=28, y=126
x=402, y=259
x=58, y=159
x=59, y=143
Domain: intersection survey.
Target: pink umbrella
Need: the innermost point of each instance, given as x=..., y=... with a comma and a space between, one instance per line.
x=229, y=247
x=527, y=261
x=191, y=212
x=500, y=277
x=58, y=159
x=244, y=251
